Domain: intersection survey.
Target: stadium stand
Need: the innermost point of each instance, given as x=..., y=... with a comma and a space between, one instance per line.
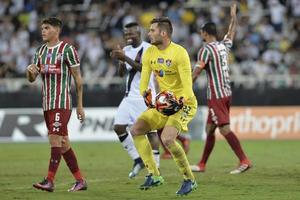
x=264, y=54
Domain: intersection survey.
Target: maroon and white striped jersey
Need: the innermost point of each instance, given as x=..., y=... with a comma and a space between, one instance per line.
x=54, y=64
x=213, y=57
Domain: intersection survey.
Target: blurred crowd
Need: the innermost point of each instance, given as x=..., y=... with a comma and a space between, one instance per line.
x=267, y=40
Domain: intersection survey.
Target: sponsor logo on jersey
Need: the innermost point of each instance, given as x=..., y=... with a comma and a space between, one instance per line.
x=56, y=124
x=50, y=69
x=160, y=60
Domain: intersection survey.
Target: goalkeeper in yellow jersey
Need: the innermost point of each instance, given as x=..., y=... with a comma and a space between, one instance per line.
x=171, y=65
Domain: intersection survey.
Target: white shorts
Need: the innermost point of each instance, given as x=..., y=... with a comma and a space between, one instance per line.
x=129, y=110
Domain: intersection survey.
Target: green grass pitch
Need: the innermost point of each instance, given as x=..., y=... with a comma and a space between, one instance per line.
x=275, y=175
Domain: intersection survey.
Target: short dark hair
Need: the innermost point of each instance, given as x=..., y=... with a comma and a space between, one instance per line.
x=53, y=21
x=210, y=28
x=131, y=24
x=163, y=23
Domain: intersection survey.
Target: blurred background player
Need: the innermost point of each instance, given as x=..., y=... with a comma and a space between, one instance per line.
x=133, y=104
x=213, y=57
x=56, y=61
x=171, y=64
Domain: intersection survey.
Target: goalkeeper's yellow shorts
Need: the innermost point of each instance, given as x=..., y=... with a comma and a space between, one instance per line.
x=179, y=120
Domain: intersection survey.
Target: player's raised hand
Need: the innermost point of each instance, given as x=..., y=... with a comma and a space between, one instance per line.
x=80, y=114
x=233, y=10
x=118, y=53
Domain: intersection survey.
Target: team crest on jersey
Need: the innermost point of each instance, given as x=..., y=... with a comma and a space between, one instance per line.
x=160, y=60
x=49, y=55
x=168, y=62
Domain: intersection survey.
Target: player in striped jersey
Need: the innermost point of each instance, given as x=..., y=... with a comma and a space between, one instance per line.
x=213, y=59
x=57, y=61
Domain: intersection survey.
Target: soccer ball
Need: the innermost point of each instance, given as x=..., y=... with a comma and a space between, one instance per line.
x=163, y=101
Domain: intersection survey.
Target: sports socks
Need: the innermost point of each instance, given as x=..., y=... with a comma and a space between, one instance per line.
x=181, y=160
x=72, y=163
x=128, y=144
x=144, y=149
x=54, y=162
x=156, y=156
x=209, y=145
x=235, y=145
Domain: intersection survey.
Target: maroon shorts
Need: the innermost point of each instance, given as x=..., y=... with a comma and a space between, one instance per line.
x=57, y=121
x=218, y=111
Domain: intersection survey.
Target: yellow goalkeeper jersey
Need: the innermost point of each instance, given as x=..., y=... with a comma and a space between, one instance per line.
x=172, y=69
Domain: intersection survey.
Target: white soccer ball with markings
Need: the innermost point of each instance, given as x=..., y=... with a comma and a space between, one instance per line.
x=163, y=101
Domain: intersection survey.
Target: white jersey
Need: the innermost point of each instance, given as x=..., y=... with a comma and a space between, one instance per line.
x=133, y=105
x=134, y=76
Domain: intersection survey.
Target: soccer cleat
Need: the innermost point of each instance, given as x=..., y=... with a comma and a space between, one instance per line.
x=78, y=185
x=244, y=166
x=187, y=187
x=166, y=155
x=137, y=167
x=198, y=168
x=45, y=185
x=152, y=181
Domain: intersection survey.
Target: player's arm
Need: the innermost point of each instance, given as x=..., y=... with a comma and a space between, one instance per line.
x=145, y=78
x=196, y=72
x=233, y=23
x=203, y=57
x=146, y=72
x=32, y=70
x=74, y=66
x=75, y=71
x=119, y=54
x=135, y=65
x=184, y=71
x=121, y=68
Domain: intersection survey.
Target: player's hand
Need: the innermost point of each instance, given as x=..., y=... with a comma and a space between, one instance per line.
x=80, y=114
x=33, y=69
x=118, y=53
x=233, y=10
x=148, y=98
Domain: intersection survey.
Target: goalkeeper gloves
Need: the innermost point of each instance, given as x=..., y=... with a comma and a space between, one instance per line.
x=173, y=107
x=148, y=98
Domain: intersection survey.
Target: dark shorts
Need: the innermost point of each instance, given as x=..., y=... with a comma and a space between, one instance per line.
x=57, y=121
x=218, y=111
